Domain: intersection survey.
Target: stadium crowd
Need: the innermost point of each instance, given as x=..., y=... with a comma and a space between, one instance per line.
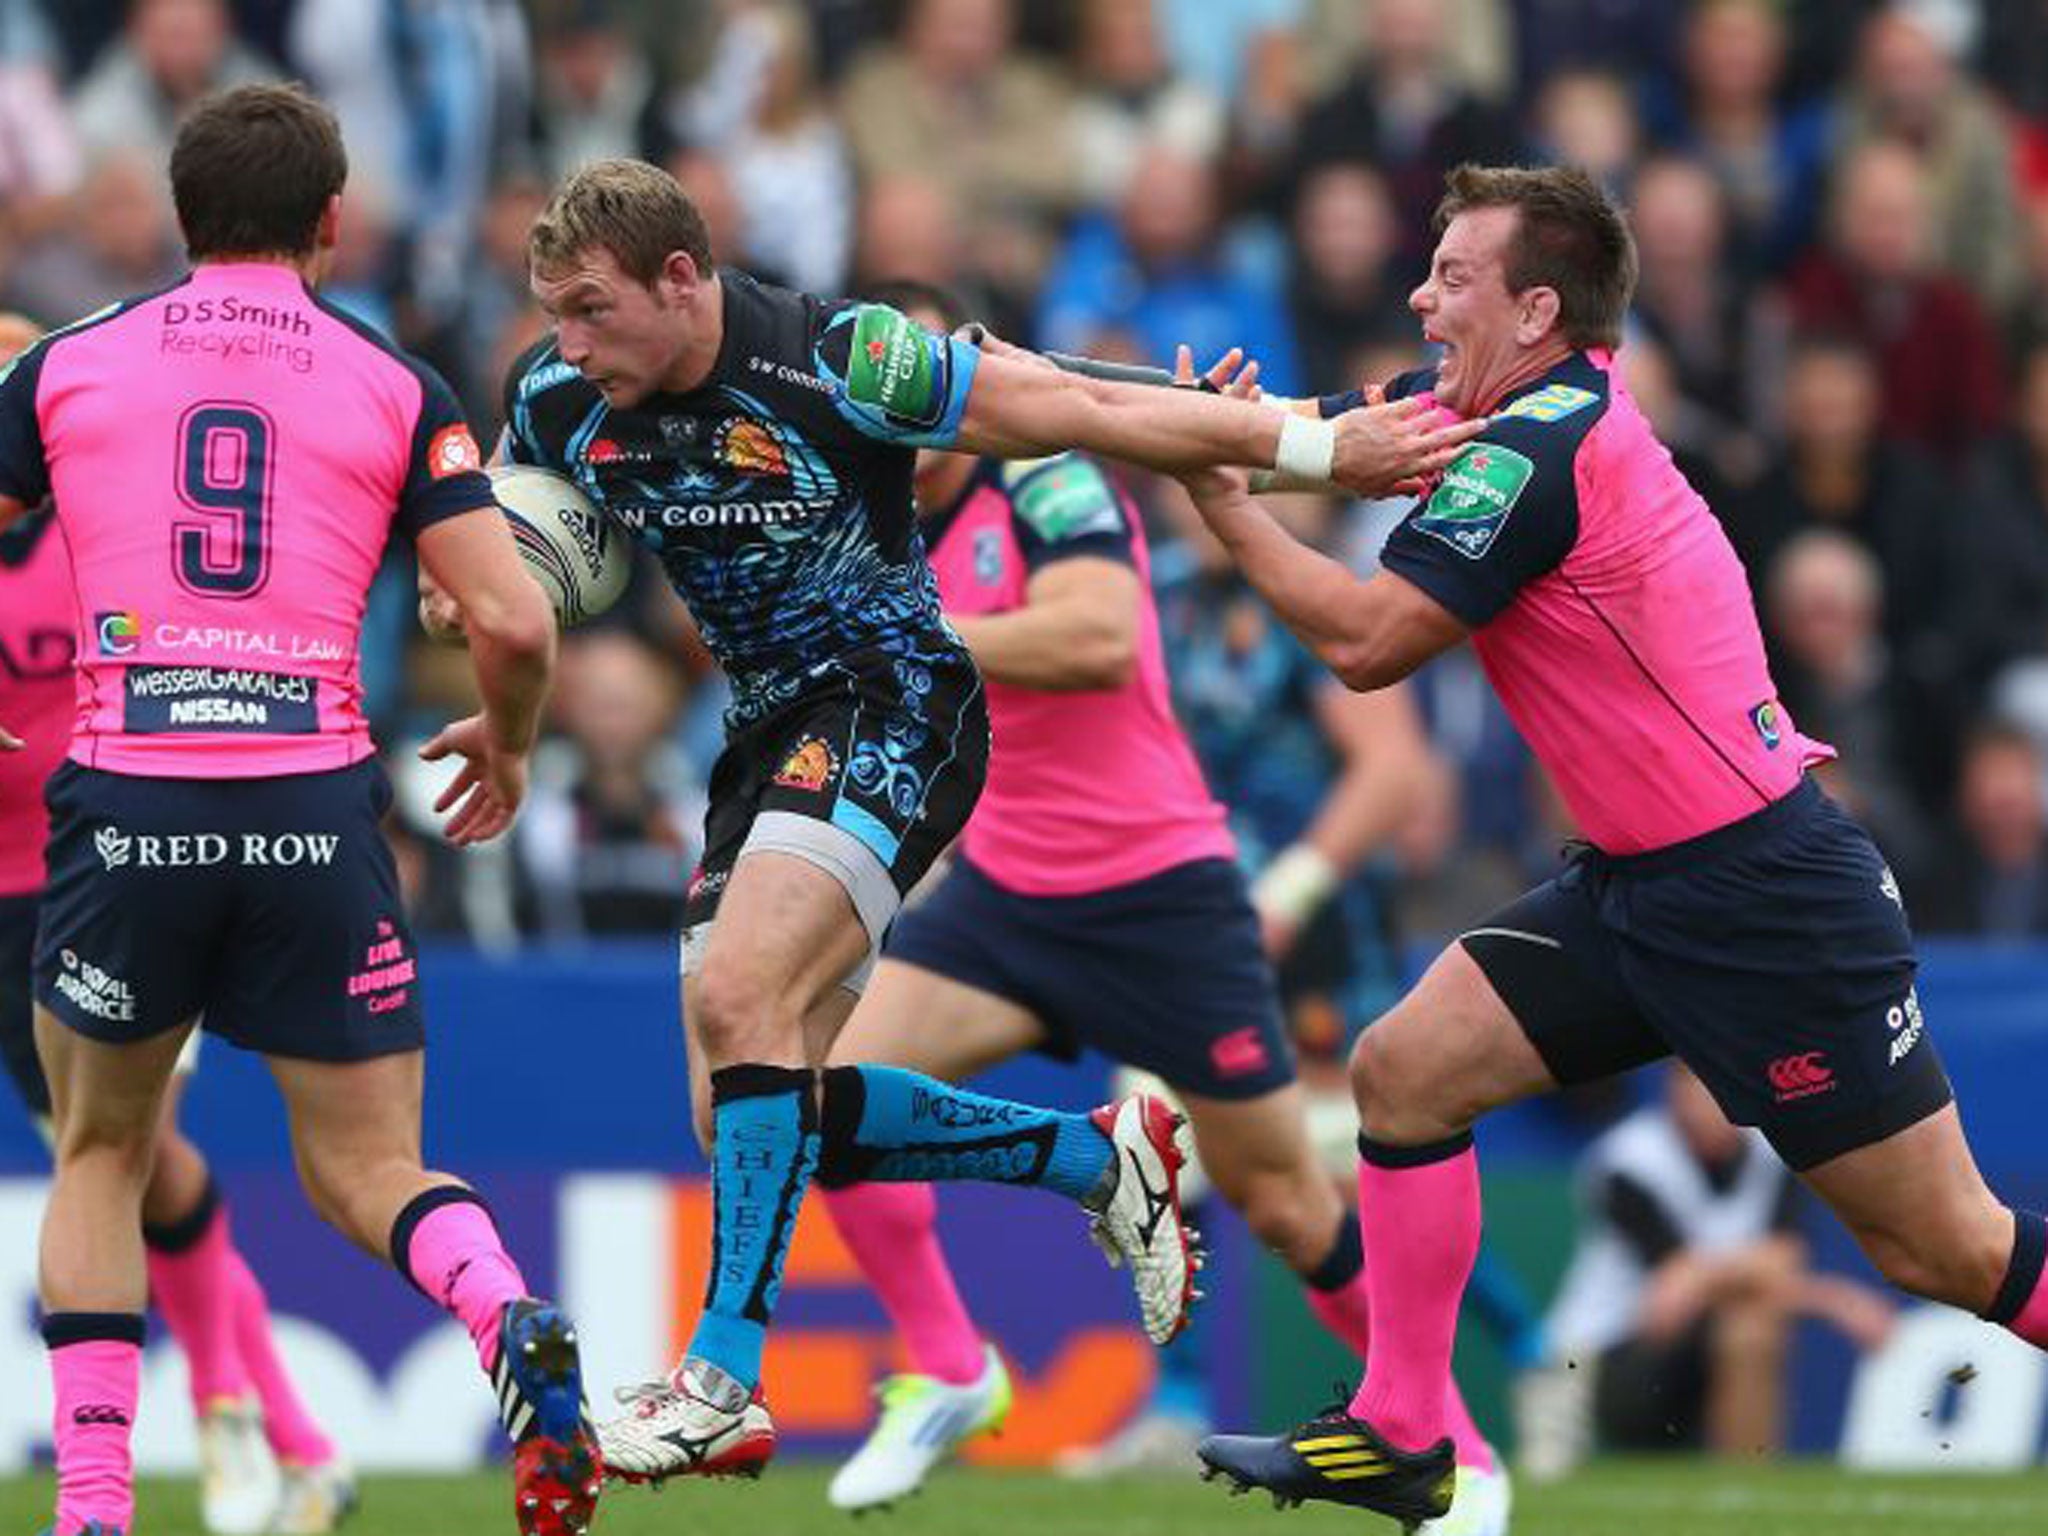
x=1841, y=326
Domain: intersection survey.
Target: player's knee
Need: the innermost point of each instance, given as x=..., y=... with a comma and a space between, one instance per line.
x=728, y=1012
x=1287, y=1217
x=1401, y=1093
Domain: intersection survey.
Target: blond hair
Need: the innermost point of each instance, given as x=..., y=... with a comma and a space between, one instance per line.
x=636, y=211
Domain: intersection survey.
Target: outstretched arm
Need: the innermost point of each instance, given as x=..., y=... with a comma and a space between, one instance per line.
x=1017, y=409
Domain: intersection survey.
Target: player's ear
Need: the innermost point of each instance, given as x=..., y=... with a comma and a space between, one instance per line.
x=680, y=278
x=1536, y=312
x=327, y=233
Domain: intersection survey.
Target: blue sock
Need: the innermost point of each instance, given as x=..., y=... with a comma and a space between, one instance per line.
x=1497, y=1296
x=891, y=1126
x=764, y=1149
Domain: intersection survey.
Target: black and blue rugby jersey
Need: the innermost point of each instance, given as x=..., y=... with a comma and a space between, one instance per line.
x=776, y=493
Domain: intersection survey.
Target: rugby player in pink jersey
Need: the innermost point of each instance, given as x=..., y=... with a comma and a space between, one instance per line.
x=228, y=458
x=262, y=1469
x=1094, y=900
x=1724, y=910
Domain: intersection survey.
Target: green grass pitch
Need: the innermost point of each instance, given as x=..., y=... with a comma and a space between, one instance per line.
x=1664, y=1498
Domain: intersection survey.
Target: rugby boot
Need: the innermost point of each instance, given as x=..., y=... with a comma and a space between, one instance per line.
x=1137, y=1222
x=1340, y=1460
x=696, y=1422
x=557, y=1471
x=923, y=1421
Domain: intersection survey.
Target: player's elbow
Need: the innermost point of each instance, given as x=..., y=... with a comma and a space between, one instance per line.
x=1364, y=663
x=1106, y=660
x=516, y=622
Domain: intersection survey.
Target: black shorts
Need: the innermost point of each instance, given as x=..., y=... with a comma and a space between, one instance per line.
x=870, y=776
x=270, y=906
x=1772, y=956
x=1165, y=973
x=17, y=1013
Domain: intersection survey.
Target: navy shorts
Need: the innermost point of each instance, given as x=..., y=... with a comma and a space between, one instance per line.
x=1772, y=956
x=270, y=906
x=17, y=1014
x=1165, y=973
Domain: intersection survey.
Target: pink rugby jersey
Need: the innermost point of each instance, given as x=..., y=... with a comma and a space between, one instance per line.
x=1609, y=611
x=1086, y=790
x=228, y=458
x=38, y=620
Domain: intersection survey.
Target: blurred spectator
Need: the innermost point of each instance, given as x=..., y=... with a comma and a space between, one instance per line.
x=1346, y=293
x=171, y=53
x=40, y=164
x=433, y=97
x=1694, y=437
x=1637, y=39
x=1162, y=273
x=1688, y=1274
x=497, y=299
x=789, y=169
x=1993, y=877
x=1588, y=118
x=595, y=94
x=1823, y=607
x=2002, y=548
x=1225, y=45
x=2032, y=319
x=118, y=241
x=1910, y=87
x=1692, y=299
x=1769, y=154
x=948, y=101
x=612, y=828
x=1876, y=279
x=1404, y=108
x=1130, y=99
x=1838, y=469
x=2014, y=52
x=1481, y=33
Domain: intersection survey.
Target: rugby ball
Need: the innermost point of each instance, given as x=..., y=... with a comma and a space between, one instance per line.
x=580, y=557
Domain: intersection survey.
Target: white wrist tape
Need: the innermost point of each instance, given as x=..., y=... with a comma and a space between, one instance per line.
x=1308, y=449
x=1294, y=885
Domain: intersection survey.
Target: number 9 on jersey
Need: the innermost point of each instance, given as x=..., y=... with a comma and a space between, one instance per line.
x=580, y=557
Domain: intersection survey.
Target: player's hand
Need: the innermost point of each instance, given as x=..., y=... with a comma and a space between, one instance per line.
x=440, y=615
x=1231, y=374
x=485, y=795
x=9, y=742
x=1396, y=449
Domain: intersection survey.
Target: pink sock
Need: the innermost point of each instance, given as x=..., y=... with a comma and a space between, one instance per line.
x=286, y=1425
x=1347, y=1313
x=188, y=1283
x=890, y=1229
x=447, y=1244
x=97, y=1379
x=2022, y=1301
x=1420, y=1223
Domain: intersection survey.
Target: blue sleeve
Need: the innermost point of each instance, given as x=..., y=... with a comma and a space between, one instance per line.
x=444, y=475
x=24, y=467
x=1503, y=514
x=893, y=380
x=532, y=372
x=1063, y=507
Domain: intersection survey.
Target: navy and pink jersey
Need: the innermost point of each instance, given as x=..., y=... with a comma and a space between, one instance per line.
x=1088, y=789
x=1609, y=611
x=228, y=459
x=38, y=625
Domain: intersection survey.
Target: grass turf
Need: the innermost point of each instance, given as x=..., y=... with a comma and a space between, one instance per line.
x=1664, y=1498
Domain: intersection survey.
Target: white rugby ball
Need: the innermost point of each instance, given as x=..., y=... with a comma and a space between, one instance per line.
x=581, y=558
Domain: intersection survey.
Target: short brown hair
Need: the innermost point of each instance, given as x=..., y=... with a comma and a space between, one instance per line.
x=636, y=211
x=252, y=170
x=1571, y=237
